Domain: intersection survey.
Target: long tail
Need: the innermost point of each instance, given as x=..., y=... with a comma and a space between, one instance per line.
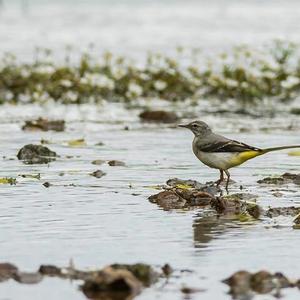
x=279, y=148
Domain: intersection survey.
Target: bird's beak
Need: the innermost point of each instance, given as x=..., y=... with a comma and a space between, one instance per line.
x=184, y=126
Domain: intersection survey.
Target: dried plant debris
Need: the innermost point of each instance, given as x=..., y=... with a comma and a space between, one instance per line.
x=8, y=180
x=244, y=283
x=44, y=125
x=117, y=281
x=36, y=154
x=282, y=179
x=158, y=116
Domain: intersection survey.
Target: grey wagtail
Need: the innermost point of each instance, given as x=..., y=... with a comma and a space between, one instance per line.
x=221, y=153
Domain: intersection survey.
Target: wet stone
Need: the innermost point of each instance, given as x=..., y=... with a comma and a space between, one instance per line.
x=159, y=116
x=116, y=283
x=98, y=174
x=262, y=282
x=50, y=270
x=7, y=271
x=142, y=272
x=36, y=154
x=240, y=203
x=114, y=163
x=98, y=162
x=44, y=125
x=283, y=179
x=168, y=200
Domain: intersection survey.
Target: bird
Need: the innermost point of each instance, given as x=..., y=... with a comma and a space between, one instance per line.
x=219, y=152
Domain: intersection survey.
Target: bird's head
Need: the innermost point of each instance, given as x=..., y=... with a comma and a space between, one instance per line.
x=199, y=128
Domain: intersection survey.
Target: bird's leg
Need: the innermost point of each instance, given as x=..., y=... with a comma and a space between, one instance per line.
x=227, y=182
x=221, y=178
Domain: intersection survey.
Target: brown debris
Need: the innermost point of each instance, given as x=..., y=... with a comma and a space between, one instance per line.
x=36, y=154
x=44, y=125
x=158, y=116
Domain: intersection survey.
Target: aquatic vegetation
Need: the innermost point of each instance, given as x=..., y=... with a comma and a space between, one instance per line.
x=8, y=180
x=249, y=76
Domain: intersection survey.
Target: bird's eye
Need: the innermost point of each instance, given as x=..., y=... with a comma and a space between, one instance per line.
x=194, y=125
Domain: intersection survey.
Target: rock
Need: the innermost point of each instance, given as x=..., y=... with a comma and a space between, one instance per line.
x=189, y=290
x=175, y=182
x=209, y=187
x=239, y=283
x=114, y=163
x=98, y=174
x=98, y=162
x=44, y=125
x=46, y=184
x=283, y=179
x=112, y=282
x=50, y=270
x=36, y=154
x=28, y=278
x=237, y=204
x=262, y=282
x=7, y=271
x=159, y=116
x=142, y=272
x=167, y=270
x=168, y=200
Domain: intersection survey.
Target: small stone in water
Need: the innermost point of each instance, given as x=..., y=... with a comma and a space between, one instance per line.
x=159, y=116
x=98, y=162
x=46, y=184
x=98, y=174
x=114, y=163
x=36, y=154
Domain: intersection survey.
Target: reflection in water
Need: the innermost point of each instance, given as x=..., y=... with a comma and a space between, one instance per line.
x=209, y=227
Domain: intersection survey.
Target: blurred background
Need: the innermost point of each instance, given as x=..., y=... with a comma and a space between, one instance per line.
x=134, y=26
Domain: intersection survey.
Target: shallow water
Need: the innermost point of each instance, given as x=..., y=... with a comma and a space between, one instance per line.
x=134, y=27
x=106, y=220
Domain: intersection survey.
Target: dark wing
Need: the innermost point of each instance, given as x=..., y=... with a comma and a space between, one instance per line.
x=227, y=146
